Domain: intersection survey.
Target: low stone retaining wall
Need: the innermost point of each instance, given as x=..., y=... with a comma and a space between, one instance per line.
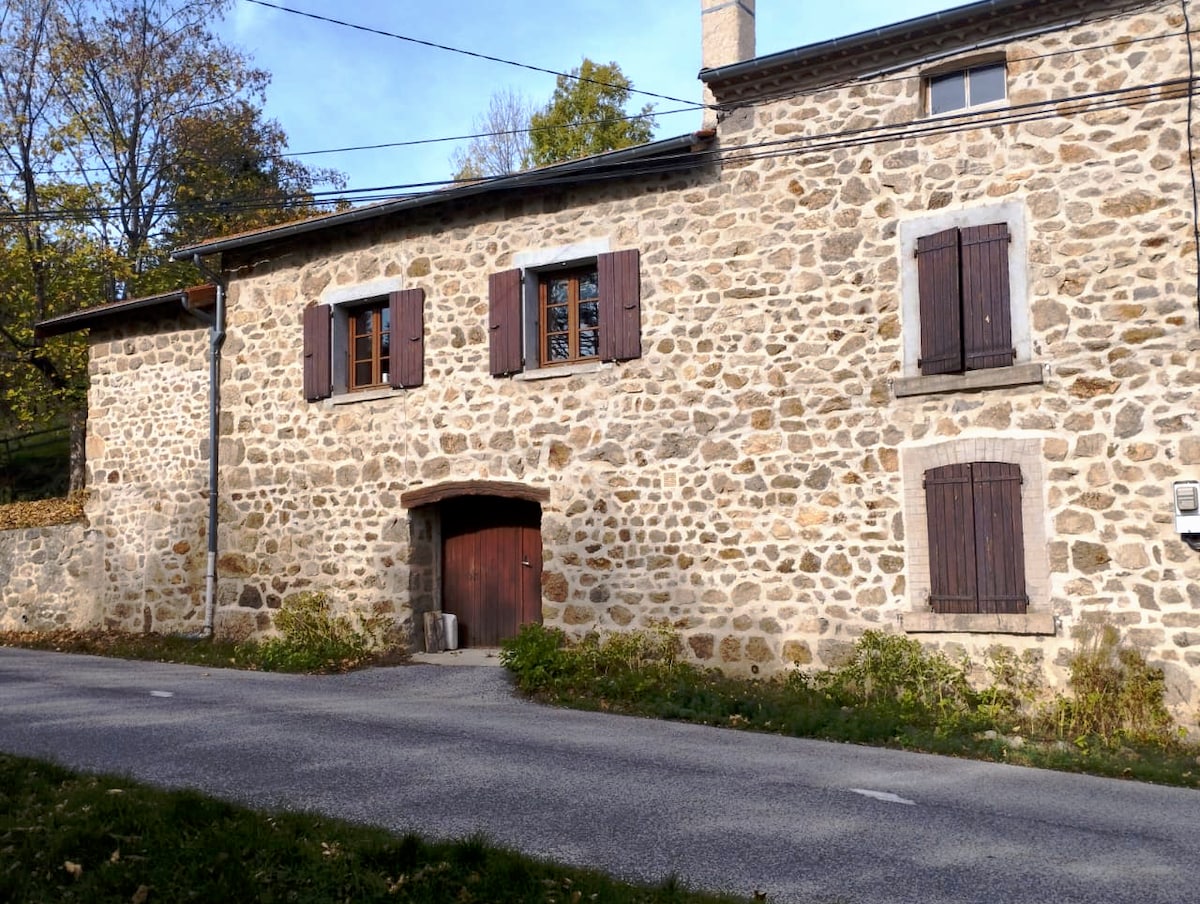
x=50, y=577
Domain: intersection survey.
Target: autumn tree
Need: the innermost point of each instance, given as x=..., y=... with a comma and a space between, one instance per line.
x=586, y=115
x=501, y=145
x=126, y=127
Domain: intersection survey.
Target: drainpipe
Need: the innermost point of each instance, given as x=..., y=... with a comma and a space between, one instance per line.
x=216, y=340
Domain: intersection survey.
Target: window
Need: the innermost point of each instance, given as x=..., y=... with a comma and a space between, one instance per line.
x=962, y=276
x=569, y=309
x=576, y=311
x=966, y=88
x=976, y=540
x=964, y=301
x=369, y=346
x=355, y=344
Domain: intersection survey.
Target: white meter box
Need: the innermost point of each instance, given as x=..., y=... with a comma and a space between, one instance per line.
x=1187, y=506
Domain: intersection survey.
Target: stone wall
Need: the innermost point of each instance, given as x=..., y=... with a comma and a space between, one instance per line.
x=745, y=478
x=49, y=578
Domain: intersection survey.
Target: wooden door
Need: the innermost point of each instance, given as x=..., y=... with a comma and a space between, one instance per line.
x=491, y=566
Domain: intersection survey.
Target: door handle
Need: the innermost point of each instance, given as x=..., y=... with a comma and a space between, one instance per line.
x=525, y=562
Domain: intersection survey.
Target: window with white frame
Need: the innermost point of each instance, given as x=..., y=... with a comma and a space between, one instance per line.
x=964, y=300
x=561, y=308
x=964, y=89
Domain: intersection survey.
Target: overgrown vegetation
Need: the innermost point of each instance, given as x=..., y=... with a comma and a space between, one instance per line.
x=893, y=692
x=312, y=639
x=69, y=837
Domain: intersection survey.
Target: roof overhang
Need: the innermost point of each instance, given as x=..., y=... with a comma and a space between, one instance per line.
x=669, y=155
x=116, y=313
x=907, y=43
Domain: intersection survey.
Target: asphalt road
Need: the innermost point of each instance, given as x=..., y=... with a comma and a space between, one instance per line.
x=448, y=750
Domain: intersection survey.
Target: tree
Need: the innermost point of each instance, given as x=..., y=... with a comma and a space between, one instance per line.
x=126, y=127
x=586, y=115
x=501, y=145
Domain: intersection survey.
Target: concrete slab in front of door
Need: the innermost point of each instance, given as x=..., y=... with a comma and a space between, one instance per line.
x=472, y=656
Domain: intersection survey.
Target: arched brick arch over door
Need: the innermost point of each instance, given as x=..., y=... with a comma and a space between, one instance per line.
x=491, y=554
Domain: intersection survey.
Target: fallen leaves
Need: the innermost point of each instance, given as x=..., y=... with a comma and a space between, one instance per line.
x=43, y=512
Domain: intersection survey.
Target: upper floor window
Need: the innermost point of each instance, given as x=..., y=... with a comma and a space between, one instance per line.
x=370, y=346
x=966, y=88
x=358, y=340
x=569, y=305
x=577, y=310
x=962, y=279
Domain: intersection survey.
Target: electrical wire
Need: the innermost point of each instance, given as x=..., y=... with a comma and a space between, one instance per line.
x=1124, y=41
x=798, y=146
x=470, y=53
x=1187, y=26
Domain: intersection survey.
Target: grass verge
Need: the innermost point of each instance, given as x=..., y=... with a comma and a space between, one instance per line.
x=70, y=837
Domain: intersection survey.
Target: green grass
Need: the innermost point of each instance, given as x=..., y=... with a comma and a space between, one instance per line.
x=69, y=837
x=892, y=693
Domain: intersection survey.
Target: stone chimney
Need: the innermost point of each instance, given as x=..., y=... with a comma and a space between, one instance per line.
x=727, y=37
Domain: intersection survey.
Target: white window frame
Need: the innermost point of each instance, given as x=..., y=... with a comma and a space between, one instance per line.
x=342, y=300
x=532, y=264
x=1024, y=451
x=1023, y=370
x=963, y=68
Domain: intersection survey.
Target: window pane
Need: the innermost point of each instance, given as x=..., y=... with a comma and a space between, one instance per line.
x=363, y=322
x=557, y=291
x=556, y=318
x=589, y=313
x=362, y=348
x=362, y=374
x=947, y=92
x=987, y=84
x=589, y=345
x=385, y=345
x=556, y=348
x=588, y=287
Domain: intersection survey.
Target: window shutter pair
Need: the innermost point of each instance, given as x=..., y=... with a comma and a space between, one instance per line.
x=962, y=281
x=619, y=281
x=406, y=367
x=976, y=538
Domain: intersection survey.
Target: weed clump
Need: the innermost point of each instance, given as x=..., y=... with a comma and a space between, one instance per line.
x=314, y=639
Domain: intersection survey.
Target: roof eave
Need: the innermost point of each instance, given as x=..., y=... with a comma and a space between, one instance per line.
x=177, y=301
x=571, y=172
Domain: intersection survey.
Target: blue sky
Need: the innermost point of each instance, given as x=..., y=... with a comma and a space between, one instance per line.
x=336, y=87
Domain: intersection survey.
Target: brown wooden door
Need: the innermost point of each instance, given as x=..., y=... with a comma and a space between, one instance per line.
x=491, y=567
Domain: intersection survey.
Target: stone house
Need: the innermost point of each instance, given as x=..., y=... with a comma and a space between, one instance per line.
x=906, y=338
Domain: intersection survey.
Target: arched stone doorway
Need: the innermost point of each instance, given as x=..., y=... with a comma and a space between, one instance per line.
x=489, y=546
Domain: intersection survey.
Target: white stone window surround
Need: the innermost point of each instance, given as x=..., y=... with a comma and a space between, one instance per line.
x=546, y=260
x=1023, y=370
x=342, y=299
x=1019, y=448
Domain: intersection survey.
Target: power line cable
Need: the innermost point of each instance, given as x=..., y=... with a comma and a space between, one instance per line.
x=690, y=108
x=796, y=146
x=470, y=53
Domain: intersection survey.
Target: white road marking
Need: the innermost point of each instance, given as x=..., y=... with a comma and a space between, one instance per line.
x=885, y=796
x=161, y=694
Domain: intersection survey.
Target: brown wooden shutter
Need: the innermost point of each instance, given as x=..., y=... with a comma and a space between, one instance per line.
x=318, y=378
x=940, y=303
x=504, y=322
x=950, y=514
x=999, y=536
x=619, y=281
x=986, y=308
x=407, y=365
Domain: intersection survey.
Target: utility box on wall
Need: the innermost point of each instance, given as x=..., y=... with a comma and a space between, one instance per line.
x=1187, y=506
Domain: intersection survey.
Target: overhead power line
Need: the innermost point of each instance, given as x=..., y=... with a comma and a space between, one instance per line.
x=459, y=50
x=796, y=146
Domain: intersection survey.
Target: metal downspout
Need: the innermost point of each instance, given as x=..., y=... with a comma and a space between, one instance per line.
x=216, y=340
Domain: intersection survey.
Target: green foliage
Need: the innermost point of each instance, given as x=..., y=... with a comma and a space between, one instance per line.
x=72, y=837
x=1116, y=696
x=890, y=671
x=314, y=639
x=890, y=691
x=586, y=115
